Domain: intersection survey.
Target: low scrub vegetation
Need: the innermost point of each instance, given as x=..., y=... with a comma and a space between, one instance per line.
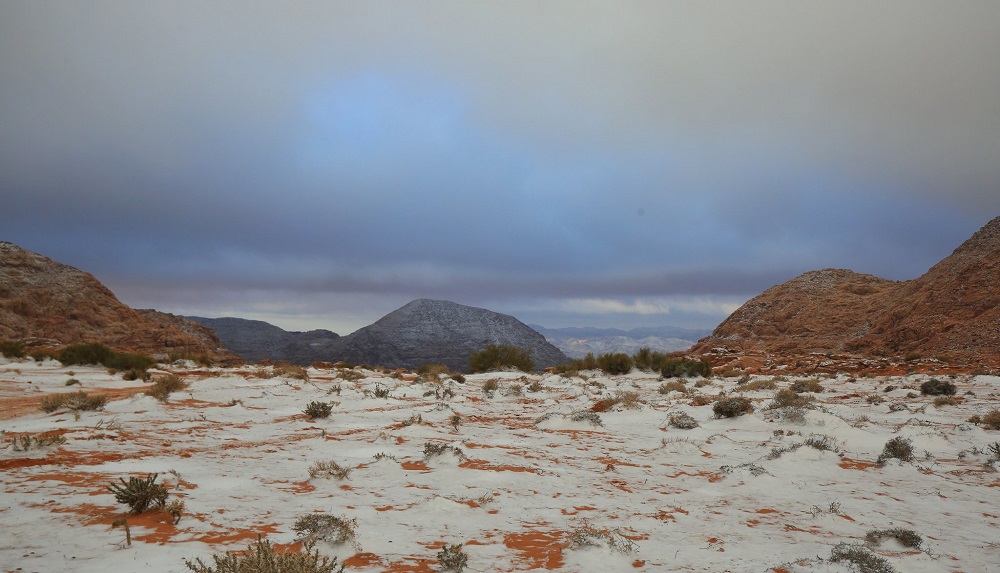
x=615, y=363
x=316, y=410
x=934, y=387
x=262, y=557
x=11, y=348
x=27, y=442
x=133, y=364
x=452, y=558
x=75, y=401
x=165, y=385
x=501, y=357
x=732, y=407
x=140, y=494
x=905, y=537
x=331, y=529
x=897, y=448
x=328, y=469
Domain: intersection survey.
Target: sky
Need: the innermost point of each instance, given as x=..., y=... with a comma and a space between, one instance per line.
x=618, y=164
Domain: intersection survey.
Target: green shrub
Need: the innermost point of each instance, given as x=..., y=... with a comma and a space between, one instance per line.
x=684, y=368
x=12, y=348
x=318, y=410
x=500, y=357
x=85, y=353
x=129, y=361
x=646, y=359
x=164, y=385
x=991, y=420
x=899, y=448
x=140, y=494
x=934, y=387
x=615, y=363
x=262, y=557
x=732, y=407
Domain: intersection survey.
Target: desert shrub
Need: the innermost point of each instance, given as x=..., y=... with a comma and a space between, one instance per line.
x=732, y=407
x=587, y=535
x=820, y=442
x=905, y=537
x=683, y=421
x=702, y=400
x=584, y=416
x=673, y=386
x=759, y=385
x=860, y=557
x=615, y=363
x=628, y=399
x=800, y=386
x=41, y=354
x=991, y=420
x=490, y=387
x=432, y=450
x=501, y=357
x=588, y=362
x=324, y=527
x=380, y=391
x=12, y=348
x=164, y=385
x=684, y=368
x=75, y=401
x=604, y=404
x=433, y=368
x=25, y=442
x=85, y=353
x=328, y=469
x=129, y=361
x=262, y=557
x=349, y=375
x=452, y=558
x=140, y=494
x=945, y=401
x=788, y=398
x=935, y=387
x=646, y=359
x=897, y=448
x=318, y=410
x=290, y=371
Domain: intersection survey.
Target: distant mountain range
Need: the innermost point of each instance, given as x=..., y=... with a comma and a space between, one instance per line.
x=577, y=342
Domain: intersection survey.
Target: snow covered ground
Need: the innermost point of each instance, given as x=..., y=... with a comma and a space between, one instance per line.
x=533, y=479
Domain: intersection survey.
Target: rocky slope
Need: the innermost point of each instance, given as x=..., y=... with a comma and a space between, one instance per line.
x=951, y=314
x=425, y=331
x=46, y=303
x=255, y=340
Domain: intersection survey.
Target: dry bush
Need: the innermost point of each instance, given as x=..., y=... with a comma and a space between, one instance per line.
x=897, y=448
x=945, y=401
x=140, y=494
x=628, y=399
x=759, y=385
x=452, y=558
x=331, y=529
x=164, y=385
x=991, y=420
x=683, y=421
x=587, y=535
x=75, y=401
x=328, y=469
x=290, y=371
x=501, y=357
x=810, y=385
x=788, y=398
x=25, y=442
x=673, y=386
x=861, y=557
x=935, y=387
x=490, y=387
x=262, y=557
x=349, y=375
x=732, y=407
x=905, y=537
x=702, y=400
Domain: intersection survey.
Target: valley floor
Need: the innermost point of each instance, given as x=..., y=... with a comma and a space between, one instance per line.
x=524, y=477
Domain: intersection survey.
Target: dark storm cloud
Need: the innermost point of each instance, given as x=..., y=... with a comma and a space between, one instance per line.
x=627, y=161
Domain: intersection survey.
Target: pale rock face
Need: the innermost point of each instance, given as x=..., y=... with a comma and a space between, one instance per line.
x=952, y=311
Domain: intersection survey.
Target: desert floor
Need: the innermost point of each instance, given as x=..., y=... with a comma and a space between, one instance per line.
x=524, y=477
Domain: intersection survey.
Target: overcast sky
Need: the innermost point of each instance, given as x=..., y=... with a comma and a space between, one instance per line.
x=320, y=164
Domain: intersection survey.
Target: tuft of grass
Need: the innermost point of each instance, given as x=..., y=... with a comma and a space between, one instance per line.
x=863, y=559
x=262, y=557
x=164, y=385
x=328, y=469
x=25, y=442
x=732, y=407
x=788, y=398
x=380, y=391
x=673, y=386
x=759, y=385
x=317, y=410
x=452, y=558
x=75, y=401
x=433, y=450
x=629, y=399
x=897, y=448
x=490, y=387
x=140, y=494
x=991, y=420
x=945, y=401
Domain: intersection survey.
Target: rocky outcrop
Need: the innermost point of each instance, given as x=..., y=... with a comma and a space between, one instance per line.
x=951, y=314
x=437, y=331
x=256, y=340
x=46, y=303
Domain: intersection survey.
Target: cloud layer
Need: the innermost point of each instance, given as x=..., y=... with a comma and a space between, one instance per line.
x=321, y=164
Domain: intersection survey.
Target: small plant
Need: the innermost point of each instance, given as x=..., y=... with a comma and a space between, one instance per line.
x=175, y=508
x=324, y=527
x=788, y=398
x=433, y=450
x=140, y=494
x=535, y=386
x=905, y=537
x=820, y=442
x=628, y=399
x=684, y=368
x=415, y=419
x=935, y=387
x=455, y=421
x=262, y=557
x=683, y=421
x=584, y=416
x=810, y=385
x=897, y=448
x=501, y=357
x=604, y=404
x=991, y=420
x=72, y=381
x=588, y=536
x=452, y=558
x=75, y=401
x=290, y=371
x=380, y=391
x=945, y=401
x=490, y=387
x=12, y=348
x=732, y=407
x=164, y=385
x=350, y=375
x=316, y=410
x=328, y=469
x=861, y=557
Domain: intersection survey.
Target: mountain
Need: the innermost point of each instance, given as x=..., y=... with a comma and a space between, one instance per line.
x=951, y=313
x=255, y=340
x=46, y=303
x=425, y=331
x=577, y=342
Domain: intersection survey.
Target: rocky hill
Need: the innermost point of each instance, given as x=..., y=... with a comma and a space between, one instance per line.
x=46, y=303
x=425, y=331
x=951, y=314
x=255, y=340
x=577, y=342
